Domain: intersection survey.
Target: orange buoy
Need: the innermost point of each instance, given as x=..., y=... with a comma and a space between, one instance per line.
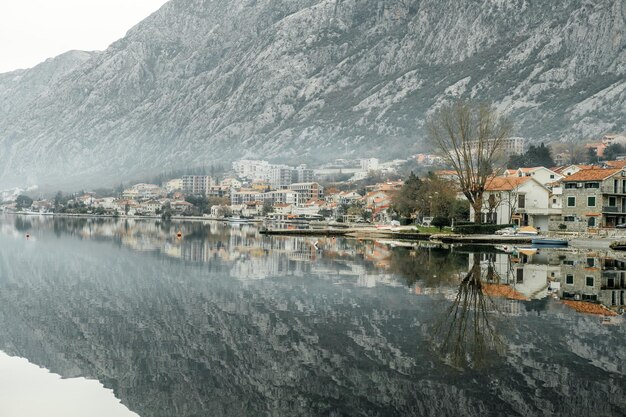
x=179, y=235
x=27, y=235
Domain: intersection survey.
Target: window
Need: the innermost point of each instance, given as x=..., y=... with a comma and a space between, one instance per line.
x=591, y=201
x=520, y=276
x=589, y=281
x=554, y=201
x=521, y=201
x=612, y=201
x=591, y=222
x=592, y=185
x=571, y=201
x=570, y=185
x=569, y=279
x=551, y=176
x=569, y=218
x=568, y=262
x=591, y=262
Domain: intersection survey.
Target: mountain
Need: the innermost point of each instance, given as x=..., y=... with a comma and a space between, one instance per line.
x=203, y=81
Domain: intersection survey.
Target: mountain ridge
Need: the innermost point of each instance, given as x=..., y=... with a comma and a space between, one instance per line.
x=202, y=81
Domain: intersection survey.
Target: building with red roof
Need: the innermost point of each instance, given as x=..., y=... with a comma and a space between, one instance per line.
x=594, y=198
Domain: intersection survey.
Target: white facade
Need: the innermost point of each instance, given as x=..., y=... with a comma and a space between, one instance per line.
x=174, y=185
x=369, y=164
x=143, y=192
x=524, y=202
x=252, y=169
x=197, y=184
x=541, y=174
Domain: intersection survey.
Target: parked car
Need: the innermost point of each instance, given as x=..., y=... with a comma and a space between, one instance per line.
x=621, y=226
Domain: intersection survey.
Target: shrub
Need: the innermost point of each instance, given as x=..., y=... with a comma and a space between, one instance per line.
x=440, y=222
x=562, y=226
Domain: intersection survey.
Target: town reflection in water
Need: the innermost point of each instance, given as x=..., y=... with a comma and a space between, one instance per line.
x=226, y=321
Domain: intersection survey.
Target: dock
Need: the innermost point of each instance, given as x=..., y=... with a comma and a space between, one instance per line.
x=372, y=233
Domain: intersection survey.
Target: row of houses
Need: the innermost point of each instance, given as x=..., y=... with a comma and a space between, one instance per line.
x=579, y=198
x=309, y=199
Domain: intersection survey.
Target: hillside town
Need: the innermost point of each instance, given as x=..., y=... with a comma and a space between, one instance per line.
x=572, y=197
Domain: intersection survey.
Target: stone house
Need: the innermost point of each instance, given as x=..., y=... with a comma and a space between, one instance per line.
x=592, y=199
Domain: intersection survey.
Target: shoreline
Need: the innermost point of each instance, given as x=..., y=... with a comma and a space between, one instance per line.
x=367, y=233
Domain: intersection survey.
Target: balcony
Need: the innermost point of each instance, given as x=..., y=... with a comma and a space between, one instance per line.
x=607, y=189
x=608, y=209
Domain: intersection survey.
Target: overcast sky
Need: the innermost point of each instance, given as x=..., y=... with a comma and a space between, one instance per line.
x=33, y=30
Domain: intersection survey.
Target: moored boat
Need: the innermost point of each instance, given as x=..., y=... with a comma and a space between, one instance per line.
x=237, y=219
x=550, y=242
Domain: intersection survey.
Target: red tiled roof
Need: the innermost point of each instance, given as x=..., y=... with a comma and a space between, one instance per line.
x=504, y=291
x=591, y=174
x=505, y=183
x=616, y=164
x=590, y=308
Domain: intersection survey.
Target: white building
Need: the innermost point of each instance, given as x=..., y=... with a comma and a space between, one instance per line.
x=174, y=185
x=252, y=169
x=280, y=176
x=308, y=190
x=542, y=174
x=197, y=184
x=143, y=192
x=369, y=164
x=517, y=200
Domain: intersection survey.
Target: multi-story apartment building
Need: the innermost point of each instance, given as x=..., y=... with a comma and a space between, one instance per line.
x=593, y=198
x=272, y=197
x=308, y=190
x=303, y=174
x=197, y=184
x=246, y=196
x=509, y=146
x=369, y=164
x=514, y=146
x=280, y=176
x=284, y=197
x=251, y=169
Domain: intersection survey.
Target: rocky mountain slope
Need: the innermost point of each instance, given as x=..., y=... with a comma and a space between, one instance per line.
x=202, y=81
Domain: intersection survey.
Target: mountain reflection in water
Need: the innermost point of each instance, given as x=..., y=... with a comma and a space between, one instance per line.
x=226, y=322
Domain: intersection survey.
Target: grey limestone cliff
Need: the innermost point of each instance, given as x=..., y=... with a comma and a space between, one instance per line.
x=202, y=81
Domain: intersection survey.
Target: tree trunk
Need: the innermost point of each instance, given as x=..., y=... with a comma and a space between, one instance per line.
x=478, y=206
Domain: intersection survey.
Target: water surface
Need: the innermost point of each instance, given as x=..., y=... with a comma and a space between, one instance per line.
x=225, y=322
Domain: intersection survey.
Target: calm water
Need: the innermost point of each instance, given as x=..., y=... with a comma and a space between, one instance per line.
x=225, y=322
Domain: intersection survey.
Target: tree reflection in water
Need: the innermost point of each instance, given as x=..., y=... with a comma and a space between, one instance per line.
x=466, y=335
x=431, y=267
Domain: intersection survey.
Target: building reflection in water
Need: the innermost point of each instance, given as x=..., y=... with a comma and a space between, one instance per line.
x=597, y=277
x=225, y=321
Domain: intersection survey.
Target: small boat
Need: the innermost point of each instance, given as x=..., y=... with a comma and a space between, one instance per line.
x=237, y=219
x=527, y=231
x=550, y=242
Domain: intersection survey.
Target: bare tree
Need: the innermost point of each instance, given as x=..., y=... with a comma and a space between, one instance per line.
x=464, y=336
x=471, y=138
x=500, y=197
